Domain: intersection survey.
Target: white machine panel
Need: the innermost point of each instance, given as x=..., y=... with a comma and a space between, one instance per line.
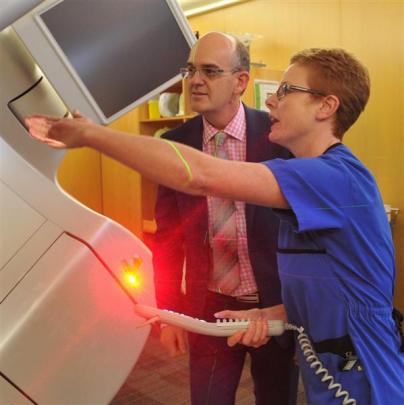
x=66, y=309
x=70, y=277
x=10, y=395
x=19, y=221
x=41, y=99
x=26, y=257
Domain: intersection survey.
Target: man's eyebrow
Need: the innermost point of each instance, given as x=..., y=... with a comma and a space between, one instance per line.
x=211, y=65
x=204, y=65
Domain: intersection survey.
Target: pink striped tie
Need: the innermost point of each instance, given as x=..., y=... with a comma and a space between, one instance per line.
x=226, y=269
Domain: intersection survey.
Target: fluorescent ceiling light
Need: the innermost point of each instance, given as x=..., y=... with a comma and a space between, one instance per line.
x=193, y=7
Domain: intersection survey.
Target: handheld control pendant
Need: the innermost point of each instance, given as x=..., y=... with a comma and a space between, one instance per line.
x=225, y=327
x=228, y=327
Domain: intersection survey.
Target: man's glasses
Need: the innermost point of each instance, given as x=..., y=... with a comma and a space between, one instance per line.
x=285, y=88
x=205, y=72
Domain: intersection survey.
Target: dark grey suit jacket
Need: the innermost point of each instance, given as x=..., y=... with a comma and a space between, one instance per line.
x=182, y=229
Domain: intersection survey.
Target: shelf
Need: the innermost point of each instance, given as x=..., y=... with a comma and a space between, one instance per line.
x=149, y=226
x=180, y=118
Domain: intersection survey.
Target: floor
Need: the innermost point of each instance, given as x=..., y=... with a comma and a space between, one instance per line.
x=157, y=379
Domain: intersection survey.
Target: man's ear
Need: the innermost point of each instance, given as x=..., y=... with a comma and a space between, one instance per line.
x=243, y=78
x=328, y=107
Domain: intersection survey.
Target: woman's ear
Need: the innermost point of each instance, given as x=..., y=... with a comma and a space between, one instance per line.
x=328, y=107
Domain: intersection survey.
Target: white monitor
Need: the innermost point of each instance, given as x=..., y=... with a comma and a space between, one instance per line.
x=115, y=53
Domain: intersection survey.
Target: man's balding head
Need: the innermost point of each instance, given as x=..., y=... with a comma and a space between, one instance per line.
x=229, y=47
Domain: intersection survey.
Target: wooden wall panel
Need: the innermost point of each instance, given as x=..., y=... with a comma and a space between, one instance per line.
x=121, y=186
x=80, y=176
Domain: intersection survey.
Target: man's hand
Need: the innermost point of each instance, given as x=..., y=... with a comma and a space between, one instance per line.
x=256, y=334
x=60, y=133
x=174, y=339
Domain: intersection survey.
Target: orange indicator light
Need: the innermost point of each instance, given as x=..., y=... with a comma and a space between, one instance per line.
x=131, y=272
x=132, y=279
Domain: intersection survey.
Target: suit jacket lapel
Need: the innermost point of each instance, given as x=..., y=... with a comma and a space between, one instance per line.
x=252, y=140
x=253, y=135
x=194, y=135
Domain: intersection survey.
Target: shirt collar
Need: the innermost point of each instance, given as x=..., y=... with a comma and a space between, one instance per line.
x=235, y=128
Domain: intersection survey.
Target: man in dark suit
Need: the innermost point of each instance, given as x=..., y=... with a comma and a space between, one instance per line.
x=217, y=75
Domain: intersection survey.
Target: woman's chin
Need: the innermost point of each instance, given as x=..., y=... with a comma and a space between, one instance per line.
x=274, y=137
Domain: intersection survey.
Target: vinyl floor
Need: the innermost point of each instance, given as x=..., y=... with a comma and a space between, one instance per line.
x=158, y=379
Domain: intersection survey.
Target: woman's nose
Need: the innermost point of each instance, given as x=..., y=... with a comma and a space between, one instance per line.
x=271, y=101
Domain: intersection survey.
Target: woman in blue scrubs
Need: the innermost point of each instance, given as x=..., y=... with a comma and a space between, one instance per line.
x=335, y=251
x=336, y=257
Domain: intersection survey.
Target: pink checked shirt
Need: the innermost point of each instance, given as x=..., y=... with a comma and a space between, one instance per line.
x=236, y=147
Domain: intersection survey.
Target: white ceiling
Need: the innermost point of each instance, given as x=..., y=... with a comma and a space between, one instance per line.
x=193, y=7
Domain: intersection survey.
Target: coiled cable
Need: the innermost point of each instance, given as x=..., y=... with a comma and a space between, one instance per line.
x=315, y=363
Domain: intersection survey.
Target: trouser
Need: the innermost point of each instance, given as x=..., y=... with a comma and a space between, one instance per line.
x=215, y=368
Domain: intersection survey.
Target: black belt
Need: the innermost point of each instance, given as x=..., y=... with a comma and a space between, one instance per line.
x=249, y=298
x=399, y=319
x=342, y=346
x=252, y=298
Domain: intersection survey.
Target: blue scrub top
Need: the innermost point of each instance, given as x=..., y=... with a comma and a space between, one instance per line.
x=336, y=264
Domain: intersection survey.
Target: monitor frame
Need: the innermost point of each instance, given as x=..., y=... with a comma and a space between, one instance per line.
x=89, y=106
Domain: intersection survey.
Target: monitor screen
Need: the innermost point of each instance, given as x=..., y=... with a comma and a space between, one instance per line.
x=119, y=52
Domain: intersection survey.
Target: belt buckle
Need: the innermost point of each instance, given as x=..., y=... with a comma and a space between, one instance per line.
x=249, y=298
